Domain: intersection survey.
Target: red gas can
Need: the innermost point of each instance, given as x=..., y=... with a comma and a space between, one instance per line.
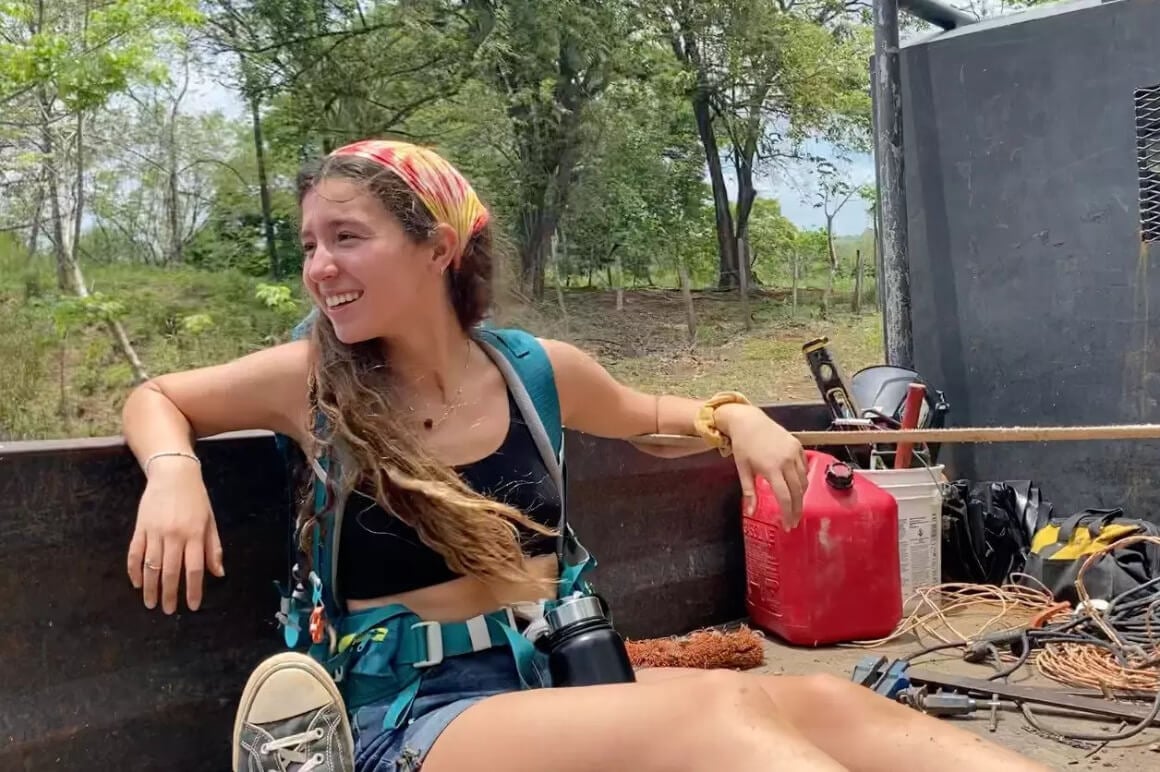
x=835, y=577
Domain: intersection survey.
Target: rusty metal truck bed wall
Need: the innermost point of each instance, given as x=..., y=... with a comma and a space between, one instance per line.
x=1034, y=297
x=89, y=679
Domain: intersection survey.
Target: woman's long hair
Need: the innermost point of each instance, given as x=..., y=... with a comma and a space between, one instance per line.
x=352, y=389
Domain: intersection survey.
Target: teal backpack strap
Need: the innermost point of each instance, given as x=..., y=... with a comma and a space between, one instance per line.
x=294, y=608
x=528, y=371
x=529, y=363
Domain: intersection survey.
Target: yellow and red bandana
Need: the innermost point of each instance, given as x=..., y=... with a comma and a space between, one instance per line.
x=445, y=192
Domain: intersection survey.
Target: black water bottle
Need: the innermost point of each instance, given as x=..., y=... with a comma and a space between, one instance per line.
x=583, y=648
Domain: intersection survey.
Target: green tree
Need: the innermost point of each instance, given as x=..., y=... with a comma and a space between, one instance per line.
x=763, y=77
x=772, y=240
x=69, y=59
x=551, y=60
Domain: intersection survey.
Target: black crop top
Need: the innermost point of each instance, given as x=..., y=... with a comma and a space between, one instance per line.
x=379, y=555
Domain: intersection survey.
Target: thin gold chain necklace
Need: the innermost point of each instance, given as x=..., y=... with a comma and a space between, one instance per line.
x=431, y=423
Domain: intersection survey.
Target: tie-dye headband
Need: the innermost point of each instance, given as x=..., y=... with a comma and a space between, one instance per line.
x=445, y=192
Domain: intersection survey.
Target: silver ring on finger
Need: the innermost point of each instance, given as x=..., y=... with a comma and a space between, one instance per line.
x=152, y=566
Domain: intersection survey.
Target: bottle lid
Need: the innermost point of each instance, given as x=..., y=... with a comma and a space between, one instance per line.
x=839, y=475
x=573, y=610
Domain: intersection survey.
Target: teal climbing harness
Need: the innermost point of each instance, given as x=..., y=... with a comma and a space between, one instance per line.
x=381, y=653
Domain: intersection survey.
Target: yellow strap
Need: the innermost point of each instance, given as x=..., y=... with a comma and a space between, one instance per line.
x=1081, y=543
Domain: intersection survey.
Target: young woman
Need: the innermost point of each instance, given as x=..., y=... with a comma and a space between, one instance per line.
x=450, y=513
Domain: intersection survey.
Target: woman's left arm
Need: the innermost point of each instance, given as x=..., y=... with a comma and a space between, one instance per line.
x=593, y=402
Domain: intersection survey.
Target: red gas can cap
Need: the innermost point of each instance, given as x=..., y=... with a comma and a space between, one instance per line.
x=839, y=475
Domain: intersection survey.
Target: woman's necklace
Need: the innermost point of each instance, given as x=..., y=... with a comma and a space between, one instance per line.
x=431, y=423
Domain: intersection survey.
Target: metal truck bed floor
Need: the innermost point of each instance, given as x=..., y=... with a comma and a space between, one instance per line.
x=1012, y=731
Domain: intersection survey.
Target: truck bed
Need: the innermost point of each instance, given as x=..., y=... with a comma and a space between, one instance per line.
x=1140, y=752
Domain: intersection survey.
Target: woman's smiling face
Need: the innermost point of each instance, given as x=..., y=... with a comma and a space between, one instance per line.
x=363, y=270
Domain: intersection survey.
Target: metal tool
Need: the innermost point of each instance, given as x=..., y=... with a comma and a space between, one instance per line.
x=882, y=676
x=1052, y=697
x=994, y=705
x=831, y=381
x=938, y=703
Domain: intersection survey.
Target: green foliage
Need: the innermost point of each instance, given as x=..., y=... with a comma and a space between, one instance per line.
x=84, y=55
x=70, y=312
x=177, y=317
x=639, y=189
x=573, y=119
x=196, y=324
x=277, y=297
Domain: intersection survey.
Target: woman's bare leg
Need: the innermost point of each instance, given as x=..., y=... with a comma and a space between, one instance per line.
x=717, y=720
x=867, y=732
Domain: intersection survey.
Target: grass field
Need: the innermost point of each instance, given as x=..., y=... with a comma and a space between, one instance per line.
x=63, y=379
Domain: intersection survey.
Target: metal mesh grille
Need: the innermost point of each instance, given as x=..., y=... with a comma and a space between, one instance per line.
x=1148, y=153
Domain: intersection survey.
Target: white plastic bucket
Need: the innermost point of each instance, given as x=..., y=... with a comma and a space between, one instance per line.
x=919, y=496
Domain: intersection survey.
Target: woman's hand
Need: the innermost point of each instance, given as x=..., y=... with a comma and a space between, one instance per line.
x=175, y=526
x=762, y=448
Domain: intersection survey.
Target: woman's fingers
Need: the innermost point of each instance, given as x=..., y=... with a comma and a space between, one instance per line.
x=194, y=572
x=745, y=477
x=151, y=571
x=784, y=494
x=171, y=573
x=136, y=558
x=795, y=483
x=213, y=550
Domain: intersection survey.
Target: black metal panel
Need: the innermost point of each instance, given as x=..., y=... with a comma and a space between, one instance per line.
x=82, y=657
x=90, y=679
x=665, y=531
x=1033, y=297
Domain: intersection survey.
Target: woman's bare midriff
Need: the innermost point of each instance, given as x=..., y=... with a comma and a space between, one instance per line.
x=465, y=597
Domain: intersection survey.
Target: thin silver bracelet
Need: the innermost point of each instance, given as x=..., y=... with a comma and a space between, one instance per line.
x=163, y=453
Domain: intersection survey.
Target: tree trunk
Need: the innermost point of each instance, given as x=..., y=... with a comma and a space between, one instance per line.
x=120, y=337
x=877, y=263
x=746, y=194
x=796, y=272
x=172, y=199
x=533, y=254
x=549, y=203
x=175, y=248
x=37, y=214
x=557, y=243
x=51, y=176
x=857, y=304
x=743, y=275
x=687, y=296
x=828, y=299
x=619, y=270
x=264, y=190
x=723, y=216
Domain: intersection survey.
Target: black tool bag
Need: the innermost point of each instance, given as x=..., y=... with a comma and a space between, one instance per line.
x=1061, y=546
x=987, y=529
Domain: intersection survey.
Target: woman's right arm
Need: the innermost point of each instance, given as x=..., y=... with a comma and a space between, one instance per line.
x=166, y=415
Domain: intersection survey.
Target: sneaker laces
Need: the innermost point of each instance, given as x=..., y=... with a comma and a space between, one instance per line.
x=295, y=749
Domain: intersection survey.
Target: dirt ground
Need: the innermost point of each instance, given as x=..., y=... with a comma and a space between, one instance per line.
x=1141, y=752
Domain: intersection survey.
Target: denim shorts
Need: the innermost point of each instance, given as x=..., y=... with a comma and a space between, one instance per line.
x=446, y=691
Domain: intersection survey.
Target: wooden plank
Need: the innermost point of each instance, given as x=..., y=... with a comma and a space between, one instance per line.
x=941, y=436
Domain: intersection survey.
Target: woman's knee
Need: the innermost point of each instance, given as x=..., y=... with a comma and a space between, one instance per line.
x=816, y=695
x=720, y=701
